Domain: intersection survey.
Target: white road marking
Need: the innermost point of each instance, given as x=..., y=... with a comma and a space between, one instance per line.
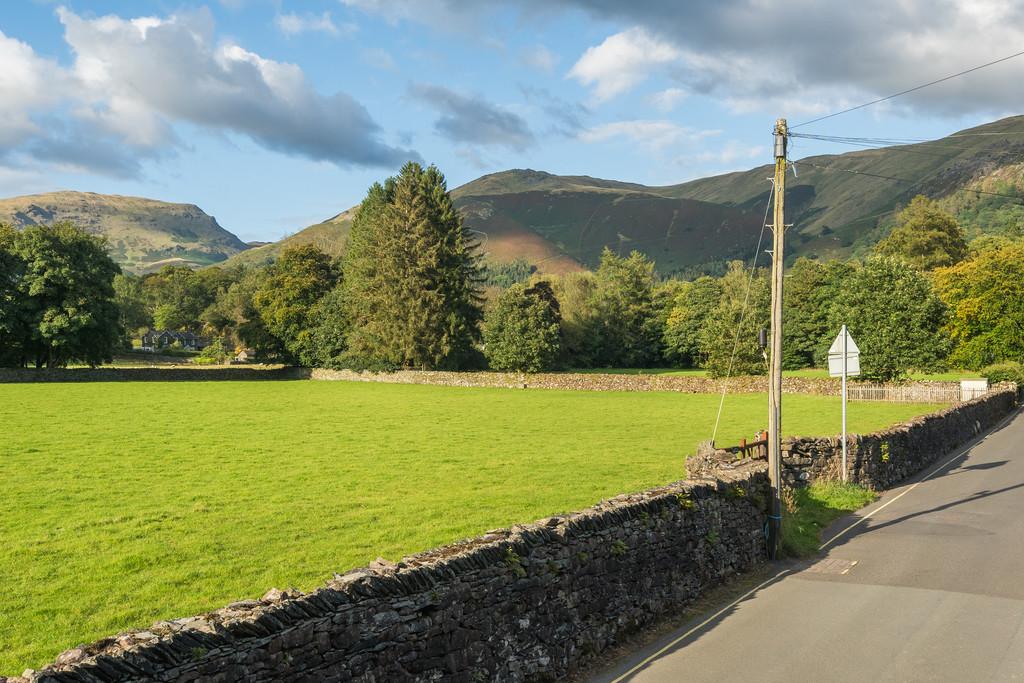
x=699, y=626
x=961, y=453
x=676, y=641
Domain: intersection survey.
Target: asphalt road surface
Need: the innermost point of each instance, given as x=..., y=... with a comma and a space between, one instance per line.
x=927, y=584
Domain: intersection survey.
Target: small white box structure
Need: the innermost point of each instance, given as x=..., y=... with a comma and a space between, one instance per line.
x=973, y=388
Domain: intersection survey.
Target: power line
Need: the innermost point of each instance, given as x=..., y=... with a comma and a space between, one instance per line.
x=904, y=180
x=743, y=312
x=910, y=90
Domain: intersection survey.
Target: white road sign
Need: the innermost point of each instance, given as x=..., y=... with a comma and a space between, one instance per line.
x=835, y=356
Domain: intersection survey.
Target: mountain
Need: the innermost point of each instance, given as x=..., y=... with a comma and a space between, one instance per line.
x=839, y=206
x=329, y=236
x=143, y=234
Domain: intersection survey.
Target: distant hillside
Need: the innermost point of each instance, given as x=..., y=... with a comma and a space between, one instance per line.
x=143, y=234
x=329, y=236
x=562, y=223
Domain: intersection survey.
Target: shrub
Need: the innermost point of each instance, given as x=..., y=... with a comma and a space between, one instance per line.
x=1011, y=371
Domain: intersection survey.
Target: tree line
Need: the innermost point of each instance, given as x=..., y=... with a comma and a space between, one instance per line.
x=412, y=291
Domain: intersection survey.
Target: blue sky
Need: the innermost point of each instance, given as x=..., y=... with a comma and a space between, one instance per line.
x=274, y=114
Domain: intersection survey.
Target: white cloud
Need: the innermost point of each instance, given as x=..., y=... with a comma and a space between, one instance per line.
x=540, y=58
x=295, y=24
x=666, y=100
x=652, y=134
x=731, y=152
x=379, y=58
x=133, y=80
x=833, y=53
x=472, y=119
x=622, y=61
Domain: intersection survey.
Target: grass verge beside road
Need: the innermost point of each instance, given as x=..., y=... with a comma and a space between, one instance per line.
x=817, y=506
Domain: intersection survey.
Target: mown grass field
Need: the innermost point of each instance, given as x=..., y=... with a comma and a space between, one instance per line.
x=124, y=503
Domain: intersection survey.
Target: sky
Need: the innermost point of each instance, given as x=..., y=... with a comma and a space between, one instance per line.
x=275, y=114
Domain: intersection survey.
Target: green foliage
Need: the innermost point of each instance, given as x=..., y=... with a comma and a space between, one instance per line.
x=286, y=299
x=623, y=324
x=177, y=296
x=574, y=292
x=57, y=298
x=817, y=506
x=522, y=331
x=925, y=236
x=505, y=275
x=131, y=305
x=692, y=308
x=1011, y=371
x=215, y=353
x=985, y=296
x=412, y=279
x=895, y=316
x=810, y=288
x=728, y=341
x=327, y=341
x=514, y=563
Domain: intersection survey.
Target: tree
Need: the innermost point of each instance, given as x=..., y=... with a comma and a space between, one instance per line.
x=412, y=276
x=14, y=330
x=574, y=292
x=895, y=316
x=985, y=296
x=131, y=304
x=177, y=296
x=692, y=308
x=329, y=339
x=522, y=331
x=66, y=292
x=925, y=236
x=728, y=342
x=286, y=298
x=810, y=288
x=624, y=325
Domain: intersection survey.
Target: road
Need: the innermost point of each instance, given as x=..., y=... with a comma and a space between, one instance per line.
x=926, y=584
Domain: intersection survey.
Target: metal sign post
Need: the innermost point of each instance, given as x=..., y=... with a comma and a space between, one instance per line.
x=844, y=361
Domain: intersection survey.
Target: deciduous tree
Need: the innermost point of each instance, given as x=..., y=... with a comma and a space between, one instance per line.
x=286, y=298
x=66, y=295
x=522, y=330
x=894, y=314
x=985, y=296
x=925, y=236
x=692, y=308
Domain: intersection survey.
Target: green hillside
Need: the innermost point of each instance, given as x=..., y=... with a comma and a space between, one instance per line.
x=838, y=212
x=329, y=236
x=561, y=223
x=143, y=234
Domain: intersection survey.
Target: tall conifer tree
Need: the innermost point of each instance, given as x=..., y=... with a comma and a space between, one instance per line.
x=413, y=279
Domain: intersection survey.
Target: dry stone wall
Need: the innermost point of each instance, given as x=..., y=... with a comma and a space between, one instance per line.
x=531, y=603
x=177, y=374
x=689, y=384
x=882, y=459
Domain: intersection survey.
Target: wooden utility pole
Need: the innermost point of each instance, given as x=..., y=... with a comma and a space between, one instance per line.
x=775, y=357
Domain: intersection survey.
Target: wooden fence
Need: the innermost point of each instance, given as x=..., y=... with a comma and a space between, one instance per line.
x=946, y=392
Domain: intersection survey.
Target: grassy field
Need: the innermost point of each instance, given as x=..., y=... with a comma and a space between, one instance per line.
x=124, y=503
